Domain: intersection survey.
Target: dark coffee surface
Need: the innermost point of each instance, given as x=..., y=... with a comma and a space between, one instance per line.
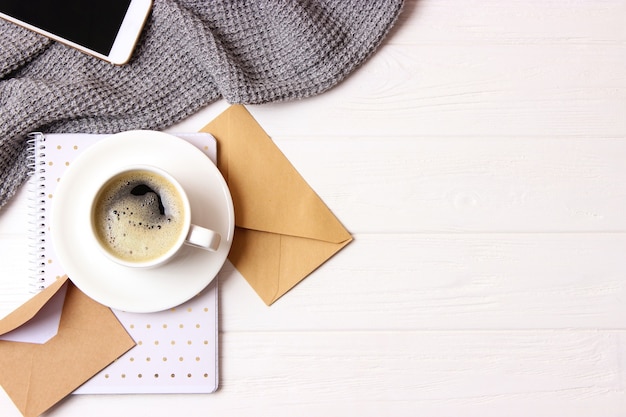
x=138, y=216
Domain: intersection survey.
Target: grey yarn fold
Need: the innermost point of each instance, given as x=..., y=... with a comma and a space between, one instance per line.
x=192, y=53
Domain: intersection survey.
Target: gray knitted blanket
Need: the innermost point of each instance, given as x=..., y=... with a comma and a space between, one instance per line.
x=192, y=52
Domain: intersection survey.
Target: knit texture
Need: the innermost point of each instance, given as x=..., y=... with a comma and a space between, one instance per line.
x=191, y=53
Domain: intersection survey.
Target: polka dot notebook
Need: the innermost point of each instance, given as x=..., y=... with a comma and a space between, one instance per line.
x=176, y=349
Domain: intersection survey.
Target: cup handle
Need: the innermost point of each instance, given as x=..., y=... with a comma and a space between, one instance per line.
x=203, y=238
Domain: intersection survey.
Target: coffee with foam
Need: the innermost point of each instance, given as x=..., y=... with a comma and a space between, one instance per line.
x=138, y=216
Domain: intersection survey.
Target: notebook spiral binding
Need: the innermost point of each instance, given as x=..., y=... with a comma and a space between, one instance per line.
x=36, y=196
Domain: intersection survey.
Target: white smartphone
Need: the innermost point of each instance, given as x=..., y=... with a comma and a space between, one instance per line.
x=107, y=29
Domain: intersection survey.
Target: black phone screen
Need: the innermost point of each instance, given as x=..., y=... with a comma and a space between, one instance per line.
x=92, y=24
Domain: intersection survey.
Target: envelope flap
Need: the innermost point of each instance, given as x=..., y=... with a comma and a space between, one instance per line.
x=286, y=260
x=37, y=376
x=30, y=308
x=269, y=195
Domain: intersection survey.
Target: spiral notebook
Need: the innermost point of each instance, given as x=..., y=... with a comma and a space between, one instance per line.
x=176, y=349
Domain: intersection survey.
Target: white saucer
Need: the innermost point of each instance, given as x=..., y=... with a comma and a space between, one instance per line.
x=140, y=290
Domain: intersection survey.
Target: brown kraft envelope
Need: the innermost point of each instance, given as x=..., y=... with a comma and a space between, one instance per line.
x=284, y=231
x=37, y=376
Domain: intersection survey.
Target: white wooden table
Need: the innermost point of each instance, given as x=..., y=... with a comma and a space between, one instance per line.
x=479, y=159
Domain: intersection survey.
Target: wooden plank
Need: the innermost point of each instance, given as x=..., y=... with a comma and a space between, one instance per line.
x=480, y=68
x=400, y=374
x=432, y=373
x=460, y=184
x=445, y=22
x=14, y=253
x=459, y=90
x=417, y=282
x=14, y=216
x=14, y=273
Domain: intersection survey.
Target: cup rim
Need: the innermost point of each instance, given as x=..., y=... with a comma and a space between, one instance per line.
x=163, y=258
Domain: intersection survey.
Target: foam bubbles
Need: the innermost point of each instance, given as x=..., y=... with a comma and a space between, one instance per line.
x=138, y=216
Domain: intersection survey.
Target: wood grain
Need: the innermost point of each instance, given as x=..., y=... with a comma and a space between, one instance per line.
x=400, y=374
x=478, y=159
x=455, y=184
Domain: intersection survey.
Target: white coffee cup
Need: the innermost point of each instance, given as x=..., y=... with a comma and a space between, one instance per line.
x=141, y=217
